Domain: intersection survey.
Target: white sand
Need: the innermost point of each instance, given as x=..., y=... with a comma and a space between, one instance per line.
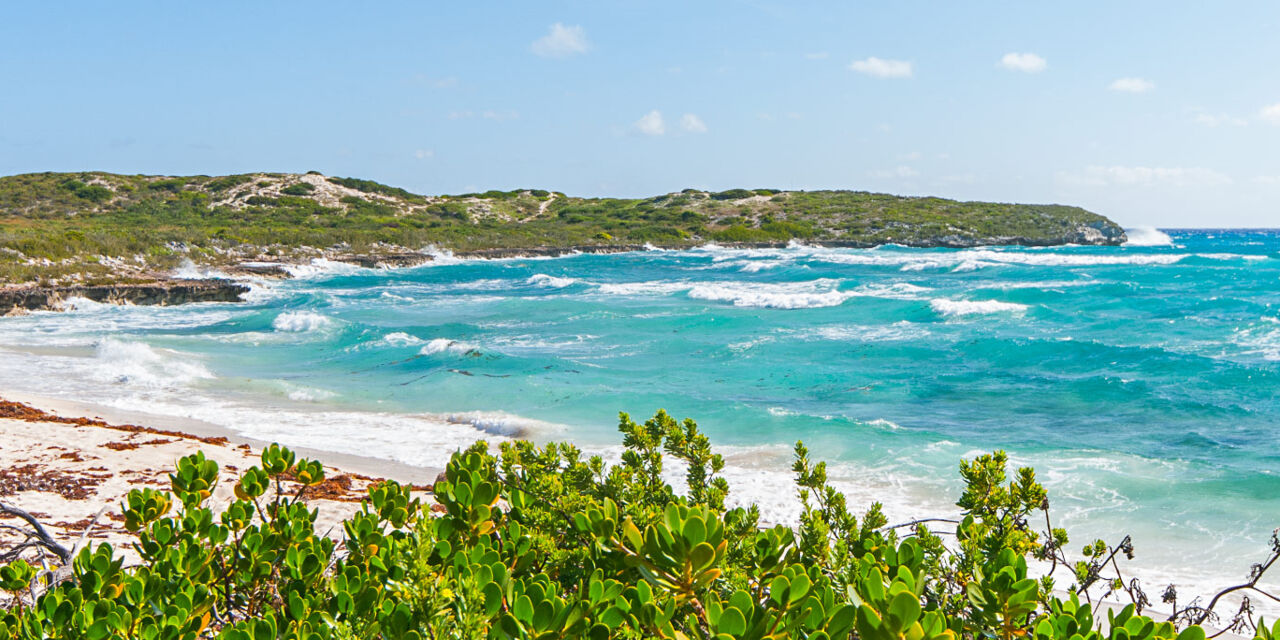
x=64, y=474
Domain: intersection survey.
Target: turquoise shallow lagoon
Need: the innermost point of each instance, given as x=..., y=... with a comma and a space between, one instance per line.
x=1143, y=382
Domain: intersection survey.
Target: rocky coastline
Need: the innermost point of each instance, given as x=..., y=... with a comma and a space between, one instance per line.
x=19, y=299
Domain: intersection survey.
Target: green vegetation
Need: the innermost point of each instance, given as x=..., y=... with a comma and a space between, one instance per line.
x=61, y=226
x=537, y=542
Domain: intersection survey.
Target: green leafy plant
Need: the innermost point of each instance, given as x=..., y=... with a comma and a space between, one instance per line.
x=538, y=542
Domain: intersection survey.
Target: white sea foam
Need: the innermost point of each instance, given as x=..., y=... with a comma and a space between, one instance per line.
x=894, y=290
x=795, y=295
x=1047, y=259
x=320, y=267
x=1231, y=256
x=972, y=265
x=643, y=288
x=543, y=343
x=756, y=266
x=301, y=321
x=440, y=257
x=881, y=423
x=951, y=308
x=544, y=280
x=137, y=364
x=1147, y=237
x=501, y=423
x=300, y=393
x=901, y=330
x=1262, y=340
x=442, y=345
x=77, y=303
x=189, y=271
x=401, y=339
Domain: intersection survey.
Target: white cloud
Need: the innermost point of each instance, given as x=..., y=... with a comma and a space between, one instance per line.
x=1267, y=179
x=913, y=155
x=901, y=171
x=1121, y=176
x=882, y=68
x=1024, y=62
x=561, y=42
x=1220, y=120
x=423, y=154
x=1132, y=85
x=651, y=124
x=1271, y=113
x=692, y=123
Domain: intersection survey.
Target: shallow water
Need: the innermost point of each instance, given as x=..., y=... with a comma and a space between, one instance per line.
x=1140, y=381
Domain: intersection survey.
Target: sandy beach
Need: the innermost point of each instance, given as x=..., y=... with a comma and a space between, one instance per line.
x=71, y=465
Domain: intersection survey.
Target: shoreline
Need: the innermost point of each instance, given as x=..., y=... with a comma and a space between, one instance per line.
x=228, y=283
x=70, y=465
x=196, y=430
x=72, y=471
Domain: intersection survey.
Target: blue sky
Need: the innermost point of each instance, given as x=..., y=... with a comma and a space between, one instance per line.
x=1153, y=113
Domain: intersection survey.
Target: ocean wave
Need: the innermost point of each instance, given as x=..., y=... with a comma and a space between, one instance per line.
x=501, y=423
x=189, y=271
x=1047, y=259
x=1260, y=340
x=1231, y=256
x=401, y=339
x=660, y=287
x=544, y=280
x=952, y=308
x=1147, y=237
x=756, y=266
x=387, y=295
x=442, y=345
x=140, y=365
x=562, y=344
x=440, y=256
x=881, y=423
x=974, y=259
x=78, y=303
x=301, y=322
x=895, y=291
x=797, y=295
x=901, y=330
x=321, y=267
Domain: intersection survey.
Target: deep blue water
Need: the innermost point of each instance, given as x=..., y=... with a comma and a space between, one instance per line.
x=1141, y=381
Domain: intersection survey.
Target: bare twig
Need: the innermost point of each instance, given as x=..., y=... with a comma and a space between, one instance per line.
x=39, y=534
x=916, y=522
x=1255, y=574
x=84, y=535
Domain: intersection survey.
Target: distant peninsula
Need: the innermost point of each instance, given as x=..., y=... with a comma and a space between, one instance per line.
x=95, y=229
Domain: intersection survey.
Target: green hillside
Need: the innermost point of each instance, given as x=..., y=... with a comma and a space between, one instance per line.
x=95, y=226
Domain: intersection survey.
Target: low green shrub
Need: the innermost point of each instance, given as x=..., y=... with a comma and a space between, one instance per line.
x=538, y=542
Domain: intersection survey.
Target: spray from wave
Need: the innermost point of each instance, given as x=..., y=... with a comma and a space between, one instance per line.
x=1147, y=237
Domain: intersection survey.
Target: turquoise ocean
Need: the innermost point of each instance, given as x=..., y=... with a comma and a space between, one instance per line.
x=1142, y=382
